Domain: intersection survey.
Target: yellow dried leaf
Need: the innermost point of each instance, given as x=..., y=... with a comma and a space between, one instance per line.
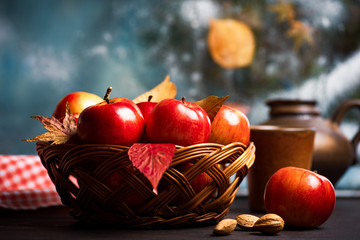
x=231, y=43
x=53, y=137
x=211, y=105
x=285, y=11
x=301, y=33
x=166, y=89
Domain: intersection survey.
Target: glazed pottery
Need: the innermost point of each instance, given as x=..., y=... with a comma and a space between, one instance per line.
x=333, y=152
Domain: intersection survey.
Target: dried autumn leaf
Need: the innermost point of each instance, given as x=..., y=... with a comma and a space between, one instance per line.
x=231, y=43
x=166, y=89
x=58, y=132
x=285, y=11
x=152, y=160
x=301, y=33
x=69, y=121
x=211, y=105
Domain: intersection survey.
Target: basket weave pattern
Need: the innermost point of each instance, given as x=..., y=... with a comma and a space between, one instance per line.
x=79, y=173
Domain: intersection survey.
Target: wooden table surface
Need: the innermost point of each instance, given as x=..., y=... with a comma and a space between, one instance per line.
x=56, y=223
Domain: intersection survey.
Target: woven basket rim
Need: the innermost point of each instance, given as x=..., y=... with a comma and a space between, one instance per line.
x=62, y=161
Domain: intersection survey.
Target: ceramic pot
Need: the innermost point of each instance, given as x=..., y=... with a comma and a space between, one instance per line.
x=333, y=153
x=276, y=147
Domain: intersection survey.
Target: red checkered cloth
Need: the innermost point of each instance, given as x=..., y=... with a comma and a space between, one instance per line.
x=25, y=184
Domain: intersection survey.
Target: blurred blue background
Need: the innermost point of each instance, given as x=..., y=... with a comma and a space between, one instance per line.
x=49, y=48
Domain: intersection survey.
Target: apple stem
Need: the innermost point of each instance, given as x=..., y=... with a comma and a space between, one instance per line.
x=107, y=94
x=150, y=97
x=183, y=100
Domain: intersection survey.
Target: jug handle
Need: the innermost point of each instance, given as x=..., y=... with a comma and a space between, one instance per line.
x=339, y=115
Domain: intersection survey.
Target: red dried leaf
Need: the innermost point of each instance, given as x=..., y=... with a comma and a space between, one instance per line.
x=152, y=160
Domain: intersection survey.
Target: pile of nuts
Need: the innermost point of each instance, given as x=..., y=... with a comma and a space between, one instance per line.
x=268, y=224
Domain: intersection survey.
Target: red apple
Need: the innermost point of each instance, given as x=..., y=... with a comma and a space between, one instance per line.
x=116, y=121
x=230, y=125
x=146, y=107
x=198, y=183
x=179, y=122
x=133, y=199
x=78, y=101
x=304, y=199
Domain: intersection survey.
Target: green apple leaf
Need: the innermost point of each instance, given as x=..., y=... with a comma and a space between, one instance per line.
x=212, y=104
x=152, y=160
x=58, y=132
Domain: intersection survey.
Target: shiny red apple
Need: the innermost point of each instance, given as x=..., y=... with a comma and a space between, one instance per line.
x=179, y=122
x=78, y=101
x=230, y=125
x=304, y=199
x=115, y=121
x=146, y=107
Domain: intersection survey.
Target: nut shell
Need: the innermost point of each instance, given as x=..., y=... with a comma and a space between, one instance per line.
x=225, y=227
x=269, y=224
x=246, y=221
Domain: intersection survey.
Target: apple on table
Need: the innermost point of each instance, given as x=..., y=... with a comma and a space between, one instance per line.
x=304, y=199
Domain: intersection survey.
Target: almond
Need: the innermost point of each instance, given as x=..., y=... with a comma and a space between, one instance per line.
x=269, y=224
x=246, y=221
x=225, y=227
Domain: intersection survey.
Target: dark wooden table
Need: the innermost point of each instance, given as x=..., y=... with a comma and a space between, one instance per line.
x=56, y=223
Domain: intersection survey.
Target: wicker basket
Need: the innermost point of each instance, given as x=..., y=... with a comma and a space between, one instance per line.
x=78, y=172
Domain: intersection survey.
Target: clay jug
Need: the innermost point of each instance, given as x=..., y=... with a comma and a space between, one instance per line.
x=333, y=152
